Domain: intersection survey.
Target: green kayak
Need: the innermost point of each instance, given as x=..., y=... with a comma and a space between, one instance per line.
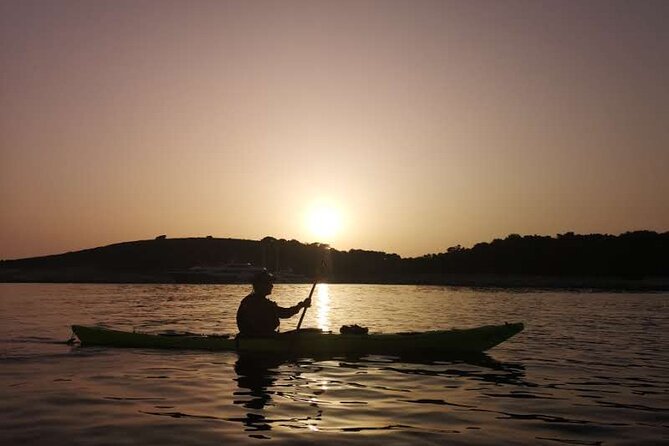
x=314, y=342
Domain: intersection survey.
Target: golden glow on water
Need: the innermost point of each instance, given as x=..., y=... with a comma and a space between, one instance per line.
x=352, y=401
x=323, y=307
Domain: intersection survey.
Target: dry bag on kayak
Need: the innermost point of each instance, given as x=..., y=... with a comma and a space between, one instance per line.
x=353, y=329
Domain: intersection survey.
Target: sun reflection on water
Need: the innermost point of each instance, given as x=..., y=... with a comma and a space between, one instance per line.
x=323, y=307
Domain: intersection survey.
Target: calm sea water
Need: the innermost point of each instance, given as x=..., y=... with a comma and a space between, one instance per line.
x=590, y=368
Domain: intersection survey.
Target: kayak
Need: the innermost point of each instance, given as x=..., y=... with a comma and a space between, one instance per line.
x=313, y=342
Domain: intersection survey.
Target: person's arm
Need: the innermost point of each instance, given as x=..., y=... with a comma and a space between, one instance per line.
x=285, y=313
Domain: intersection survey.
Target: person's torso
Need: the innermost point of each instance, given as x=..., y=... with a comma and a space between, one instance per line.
x=257, y=316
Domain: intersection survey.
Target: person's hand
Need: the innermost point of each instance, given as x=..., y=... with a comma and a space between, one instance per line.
x=306, y=303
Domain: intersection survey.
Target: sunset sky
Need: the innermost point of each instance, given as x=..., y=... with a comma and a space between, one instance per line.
x=415, y=125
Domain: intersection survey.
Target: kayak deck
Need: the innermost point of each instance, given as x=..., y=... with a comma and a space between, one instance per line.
x=313, y=342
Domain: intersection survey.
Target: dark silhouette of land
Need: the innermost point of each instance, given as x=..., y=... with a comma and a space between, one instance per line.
x=633, y=260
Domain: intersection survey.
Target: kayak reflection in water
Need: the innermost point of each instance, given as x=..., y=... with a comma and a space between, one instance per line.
x=255, y=377
x=256, y=374
x=259, y=316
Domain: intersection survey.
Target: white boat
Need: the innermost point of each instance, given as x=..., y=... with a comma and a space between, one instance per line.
x=228, y=273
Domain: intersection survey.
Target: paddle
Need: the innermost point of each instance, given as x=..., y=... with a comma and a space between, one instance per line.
x=304, y=311
x=313, y=287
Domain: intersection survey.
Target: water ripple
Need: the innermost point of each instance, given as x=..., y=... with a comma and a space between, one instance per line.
x=590, y=369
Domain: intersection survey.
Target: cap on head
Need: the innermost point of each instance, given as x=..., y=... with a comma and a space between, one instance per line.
x=262, y=278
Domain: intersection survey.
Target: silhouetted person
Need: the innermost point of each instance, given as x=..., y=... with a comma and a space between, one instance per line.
x=259, y=316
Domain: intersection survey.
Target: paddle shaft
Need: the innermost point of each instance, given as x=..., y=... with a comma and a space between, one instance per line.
x=304, y=311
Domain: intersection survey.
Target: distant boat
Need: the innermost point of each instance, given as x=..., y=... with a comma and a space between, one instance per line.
x=287, y=275
x=229, y=273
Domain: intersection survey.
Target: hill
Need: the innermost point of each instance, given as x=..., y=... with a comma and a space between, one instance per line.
x=633, y=260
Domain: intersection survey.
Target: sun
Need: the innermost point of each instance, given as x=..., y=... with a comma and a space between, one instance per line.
x=324, y=222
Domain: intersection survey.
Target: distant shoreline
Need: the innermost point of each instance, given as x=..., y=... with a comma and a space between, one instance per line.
x=633, y=261
x=647, y=284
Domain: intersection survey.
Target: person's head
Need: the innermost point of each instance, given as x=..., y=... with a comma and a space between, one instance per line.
x=263, y=282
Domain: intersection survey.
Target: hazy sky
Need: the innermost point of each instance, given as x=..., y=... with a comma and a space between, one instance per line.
x=424, y=123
